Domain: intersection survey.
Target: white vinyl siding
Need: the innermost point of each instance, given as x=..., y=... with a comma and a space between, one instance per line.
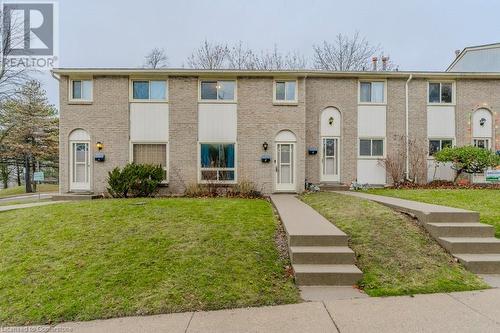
x=149, y=122
x=217, y=122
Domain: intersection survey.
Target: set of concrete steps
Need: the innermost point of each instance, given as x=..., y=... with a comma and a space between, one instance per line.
x=333, y=186
x=76, y=196
x=457, y=230
x=318, y=250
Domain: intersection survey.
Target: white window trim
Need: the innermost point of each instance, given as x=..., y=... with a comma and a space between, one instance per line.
x=285, y=101
x=430, y=157
x=372, y=103
x=378, y=157
x=483, y=138
x=235, y=169
x=453, y=92
x=72, y=100
x=149, y=79
x=167, y=165
x=221, y=101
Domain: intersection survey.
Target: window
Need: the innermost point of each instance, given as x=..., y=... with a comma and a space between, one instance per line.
x=440, y=92
x=217, y=90
x=285, y=91
x=372, y=92
x=436, y=145
x=149, y=90
x=155, y=154
x=217, y=162
x=371, y=147
x=81, y=90
x=482, y=143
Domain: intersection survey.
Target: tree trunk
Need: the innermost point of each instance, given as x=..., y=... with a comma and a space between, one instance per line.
x=27, y=174
x=459, y=172
x=18, y=173
x=33, y=167
x=4, y=169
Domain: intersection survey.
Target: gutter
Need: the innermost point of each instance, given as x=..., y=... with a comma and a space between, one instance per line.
x=55, y=76
x=407, y=141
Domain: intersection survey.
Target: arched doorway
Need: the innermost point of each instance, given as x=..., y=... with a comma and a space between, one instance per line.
x=482, y=128
x=330, y=130
x=285, y=179
x=79, y=159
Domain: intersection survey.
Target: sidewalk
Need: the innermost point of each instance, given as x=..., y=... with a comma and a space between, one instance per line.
x=477, y=311
x=27, y=205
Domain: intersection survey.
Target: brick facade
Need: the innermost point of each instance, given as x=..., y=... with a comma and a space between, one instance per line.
x=259, y=120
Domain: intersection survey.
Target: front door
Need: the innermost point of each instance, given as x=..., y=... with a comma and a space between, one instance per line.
x=285, y=167
x=330, y=159
x=80, y=166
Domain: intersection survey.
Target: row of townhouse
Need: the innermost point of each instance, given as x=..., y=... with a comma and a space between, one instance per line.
x=278, y=129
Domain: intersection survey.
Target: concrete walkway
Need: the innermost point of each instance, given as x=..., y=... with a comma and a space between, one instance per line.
x=43, y=195
x=27, y=205
x=454, y=312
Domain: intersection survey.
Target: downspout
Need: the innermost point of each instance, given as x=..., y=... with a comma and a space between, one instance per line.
x=407, y=168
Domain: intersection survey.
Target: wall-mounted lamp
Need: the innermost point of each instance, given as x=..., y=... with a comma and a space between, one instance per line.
x=265, y=145
x=330, y=121
x=99, y=145
x=482, y=121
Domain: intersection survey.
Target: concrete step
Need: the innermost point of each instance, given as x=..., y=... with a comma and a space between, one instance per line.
x=460, y=229
x=76, y=196
x=321, y=255
x=323, y=275
x=333, y=187
x=317, y=240
x=470, y=245
x=485, y=263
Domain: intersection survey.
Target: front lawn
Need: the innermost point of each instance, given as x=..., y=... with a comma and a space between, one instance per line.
x=20, y=190
x=396, y=255
x=484, y=201
x=110, y=258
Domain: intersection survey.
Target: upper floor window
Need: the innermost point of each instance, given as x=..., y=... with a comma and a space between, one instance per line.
x=436, y=145
x=372, y=92
x=440, y=92
x=285, y=91
x=217, y=90
x=149, y=90
x=81, y=90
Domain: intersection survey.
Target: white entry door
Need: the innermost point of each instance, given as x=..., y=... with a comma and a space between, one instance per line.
x=80, y=166
x=285, y=167
x=330, y=161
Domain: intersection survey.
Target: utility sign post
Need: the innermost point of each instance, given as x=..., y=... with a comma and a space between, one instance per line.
x=39, y=177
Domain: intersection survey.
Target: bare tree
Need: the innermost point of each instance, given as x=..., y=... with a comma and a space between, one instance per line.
x=12, y=74
x=346, y=54
x=156, y=58
x=240, y=57
x=295, y=60
x=209, y=56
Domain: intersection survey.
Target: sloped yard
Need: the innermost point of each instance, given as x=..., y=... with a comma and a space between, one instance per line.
x=110, y=258
x=396, y=255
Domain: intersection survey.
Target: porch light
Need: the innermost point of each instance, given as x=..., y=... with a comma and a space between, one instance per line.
x=482, y=121
x=330, y=121
x=265, y=145
x=99, y=145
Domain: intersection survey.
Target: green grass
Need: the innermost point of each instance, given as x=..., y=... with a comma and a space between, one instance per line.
x=110, y=258
x=484, y=201
x=396, y=255
x=20, y=190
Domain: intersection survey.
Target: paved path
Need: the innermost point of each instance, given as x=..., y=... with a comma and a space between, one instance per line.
x=455, y=312
x=46, y=195
x=27, y=205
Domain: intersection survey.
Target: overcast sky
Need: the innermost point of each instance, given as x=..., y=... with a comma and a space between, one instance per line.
x=417, y=34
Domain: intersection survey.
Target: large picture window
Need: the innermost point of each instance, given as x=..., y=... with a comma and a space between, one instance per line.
x=217, y=162
x=148, y=153
x=436, y=145
x=371, y=147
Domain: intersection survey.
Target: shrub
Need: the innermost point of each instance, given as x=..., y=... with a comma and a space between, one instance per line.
x=468, y=159
x=134, y=180
x=244, y=189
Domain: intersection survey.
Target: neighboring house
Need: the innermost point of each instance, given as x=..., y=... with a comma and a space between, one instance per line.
x=222, y=126
x=482, y=58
